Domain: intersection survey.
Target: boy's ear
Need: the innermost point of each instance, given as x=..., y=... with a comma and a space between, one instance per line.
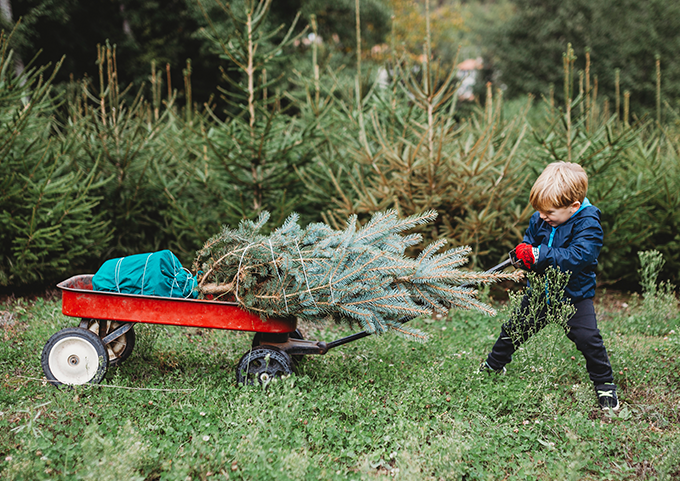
x=576, y=205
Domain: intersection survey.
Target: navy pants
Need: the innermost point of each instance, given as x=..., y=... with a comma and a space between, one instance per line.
x=583, y=332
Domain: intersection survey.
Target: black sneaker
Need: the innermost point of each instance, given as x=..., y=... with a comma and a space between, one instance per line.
x=606, y=395
x=488, y=369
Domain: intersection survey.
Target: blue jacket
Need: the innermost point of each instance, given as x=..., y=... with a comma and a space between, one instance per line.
x=573, y=246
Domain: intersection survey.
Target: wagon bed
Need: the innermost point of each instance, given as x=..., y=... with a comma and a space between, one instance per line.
x=79, y=300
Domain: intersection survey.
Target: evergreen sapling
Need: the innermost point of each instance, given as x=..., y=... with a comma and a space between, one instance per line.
x=359, y=274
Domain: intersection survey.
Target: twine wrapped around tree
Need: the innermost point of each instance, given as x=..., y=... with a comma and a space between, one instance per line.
x=357, y=275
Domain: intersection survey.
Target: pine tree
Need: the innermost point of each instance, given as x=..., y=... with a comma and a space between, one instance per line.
x=356, y=274
x=625, y=164
x=122, y=142
x=413, y=152
x=47, y=210
x=257, y=148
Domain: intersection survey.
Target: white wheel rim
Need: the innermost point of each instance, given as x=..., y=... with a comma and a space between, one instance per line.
x=73, y=360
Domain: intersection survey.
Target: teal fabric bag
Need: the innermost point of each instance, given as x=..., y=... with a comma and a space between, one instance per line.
x=152, y=274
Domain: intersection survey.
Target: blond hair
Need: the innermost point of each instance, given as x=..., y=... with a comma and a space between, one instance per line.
x=559, y=185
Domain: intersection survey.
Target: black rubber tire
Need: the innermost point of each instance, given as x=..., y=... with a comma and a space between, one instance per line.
x=262, y=364
x=74, y=356
x=118, y=349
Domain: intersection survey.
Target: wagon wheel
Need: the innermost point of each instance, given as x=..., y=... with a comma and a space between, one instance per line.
x=120, y=348
x=74, y=356
x=296, y=334
x=262, y=364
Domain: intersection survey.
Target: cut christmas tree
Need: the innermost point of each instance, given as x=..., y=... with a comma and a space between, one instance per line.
x=360, y=274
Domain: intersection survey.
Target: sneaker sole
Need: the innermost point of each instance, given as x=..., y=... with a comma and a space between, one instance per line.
x=615, y=408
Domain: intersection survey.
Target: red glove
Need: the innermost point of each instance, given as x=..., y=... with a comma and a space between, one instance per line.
x=527, y=254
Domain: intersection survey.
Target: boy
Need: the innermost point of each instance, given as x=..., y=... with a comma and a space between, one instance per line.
x=565, y=232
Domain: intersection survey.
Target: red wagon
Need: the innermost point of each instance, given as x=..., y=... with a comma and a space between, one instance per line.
x=105, y=336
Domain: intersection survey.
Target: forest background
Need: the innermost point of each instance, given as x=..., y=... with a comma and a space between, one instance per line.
x=134, y=126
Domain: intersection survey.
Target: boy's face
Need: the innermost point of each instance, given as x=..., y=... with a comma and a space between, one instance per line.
x=559, y=215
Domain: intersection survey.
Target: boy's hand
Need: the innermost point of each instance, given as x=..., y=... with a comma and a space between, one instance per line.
x=527, y=254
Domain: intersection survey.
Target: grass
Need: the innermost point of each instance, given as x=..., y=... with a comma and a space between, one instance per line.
x=381, y=406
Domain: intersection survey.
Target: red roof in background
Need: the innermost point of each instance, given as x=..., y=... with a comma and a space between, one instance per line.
x=471, y=64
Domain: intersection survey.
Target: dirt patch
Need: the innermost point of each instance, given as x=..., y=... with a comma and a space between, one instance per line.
x=610, y=302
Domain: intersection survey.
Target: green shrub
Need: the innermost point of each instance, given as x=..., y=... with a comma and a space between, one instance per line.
x=233, y=165
x=538, y=357
x=412, y=154
x=655, y=311
x=122, y=146
x=51, y=225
